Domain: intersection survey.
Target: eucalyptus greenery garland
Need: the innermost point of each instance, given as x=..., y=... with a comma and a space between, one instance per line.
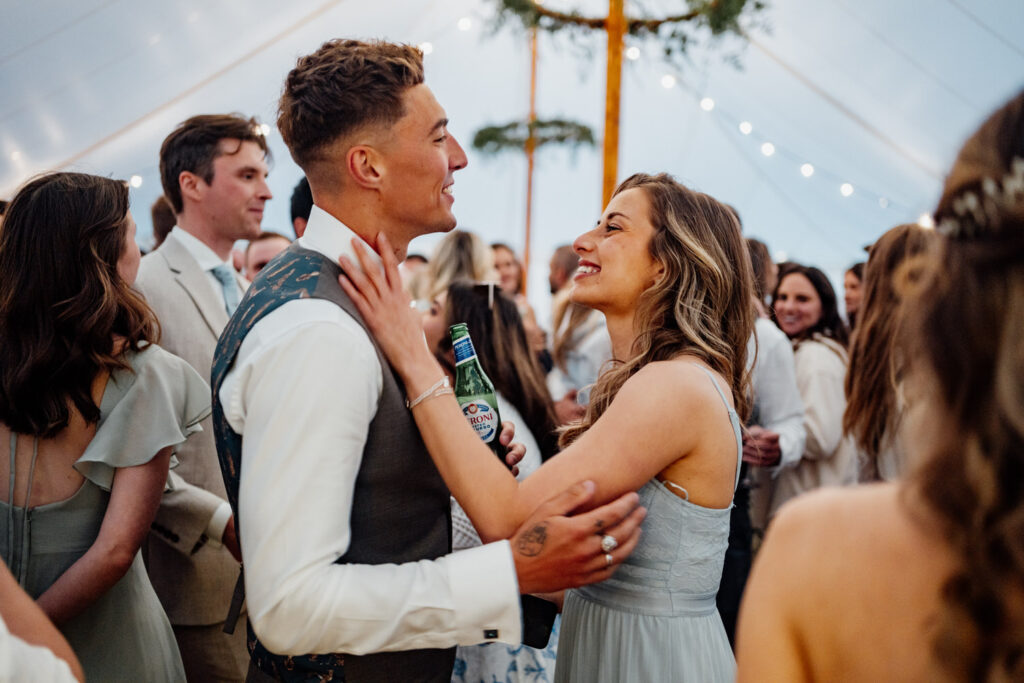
x=514, y=136
x=674, y=31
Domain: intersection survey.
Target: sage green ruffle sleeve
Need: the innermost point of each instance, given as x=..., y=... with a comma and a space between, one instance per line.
x=158, y=403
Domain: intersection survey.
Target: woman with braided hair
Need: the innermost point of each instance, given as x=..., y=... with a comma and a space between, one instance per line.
x=923, y=580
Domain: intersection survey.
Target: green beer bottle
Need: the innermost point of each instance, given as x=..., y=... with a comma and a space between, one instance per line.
x=474, y=391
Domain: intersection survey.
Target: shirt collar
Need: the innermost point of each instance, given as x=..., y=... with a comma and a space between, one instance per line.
x=197, y=249
x=332, y=238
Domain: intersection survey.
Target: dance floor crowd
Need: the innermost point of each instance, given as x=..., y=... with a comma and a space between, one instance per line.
x=710, y=469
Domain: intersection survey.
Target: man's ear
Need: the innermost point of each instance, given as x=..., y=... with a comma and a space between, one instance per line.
x=365, y=165
x=188, y=183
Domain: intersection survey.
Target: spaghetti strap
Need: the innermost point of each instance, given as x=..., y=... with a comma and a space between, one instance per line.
x=25, y=535
x=734, y=419
x=10, y=501
x=718, y=389
x=10, y=485
x=31, y=471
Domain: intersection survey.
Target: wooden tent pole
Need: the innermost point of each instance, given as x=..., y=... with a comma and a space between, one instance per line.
x=616, y=26
x=531, y=146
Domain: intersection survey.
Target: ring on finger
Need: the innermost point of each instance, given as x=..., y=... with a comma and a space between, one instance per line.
x=608, y=543
x=608, y=559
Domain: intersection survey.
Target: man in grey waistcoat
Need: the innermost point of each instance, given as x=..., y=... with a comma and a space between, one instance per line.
x=344, y=521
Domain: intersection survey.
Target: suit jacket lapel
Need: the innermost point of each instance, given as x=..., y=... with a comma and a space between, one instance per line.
x=193, y=280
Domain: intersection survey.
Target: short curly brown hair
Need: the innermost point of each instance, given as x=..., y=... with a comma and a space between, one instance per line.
x=342, y=87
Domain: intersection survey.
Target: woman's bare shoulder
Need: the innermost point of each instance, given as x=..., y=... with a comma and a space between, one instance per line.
x=853, y=541
x=838, y=516
x=686, y=378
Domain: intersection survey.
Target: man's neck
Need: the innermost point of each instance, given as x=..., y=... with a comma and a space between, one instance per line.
x=364, y=219
x=221, y=246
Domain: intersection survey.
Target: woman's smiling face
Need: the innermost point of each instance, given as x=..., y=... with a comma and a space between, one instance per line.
x=616, y=265
x=797, y=305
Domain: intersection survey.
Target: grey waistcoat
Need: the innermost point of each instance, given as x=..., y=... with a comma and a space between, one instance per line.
x=400, y=510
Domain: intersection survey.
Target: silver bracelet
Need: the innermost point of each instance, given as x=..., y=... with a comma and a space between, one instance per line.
x=442, y=383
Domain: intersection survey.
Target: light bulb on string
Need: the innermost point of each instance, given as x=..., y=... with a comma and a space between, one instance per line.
x=767, y=149
x=846, y=189
x=745, y=127
x=807, y=170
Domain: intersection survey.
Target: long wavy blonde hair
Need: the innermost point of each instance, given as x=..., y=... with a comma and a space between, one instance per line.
x=700, y=307
x=876, y=367
x=460, y=256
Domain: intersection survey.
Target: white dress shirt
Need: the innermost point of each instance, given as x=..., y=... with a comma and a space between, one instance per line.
x=302, y=392
x=206, y=258
x=20, y=661
x=777, y=403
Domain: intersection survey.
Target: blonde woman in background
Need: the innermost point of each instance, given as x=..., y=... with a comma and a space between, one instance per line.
x=512, y=278
x=874, y=381
x=461, y=256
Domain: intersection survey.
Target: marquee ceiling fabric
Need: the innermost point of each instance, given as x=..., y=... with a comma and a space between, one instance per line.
x=876, y=94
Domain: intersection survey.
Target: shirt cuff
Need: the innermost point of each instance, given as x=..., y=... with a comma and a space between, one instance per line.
x=215, y=528
x=485, y=593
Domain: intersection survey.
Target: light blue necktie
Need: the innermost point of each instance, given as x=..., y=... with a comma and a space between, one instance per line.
x=226, y=276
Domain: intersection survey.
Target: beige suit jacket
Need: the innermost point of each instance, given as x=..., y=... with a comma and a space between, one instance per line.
x=194, y=580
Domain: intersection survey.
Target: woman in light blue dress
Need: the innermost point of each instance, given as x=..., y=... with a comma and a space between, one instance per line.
x=669, y=270
x=90, y=413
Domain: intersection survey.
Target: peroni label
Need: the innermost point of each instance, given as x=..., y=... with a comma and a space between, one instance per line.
x=463, y=350
x=482, y=418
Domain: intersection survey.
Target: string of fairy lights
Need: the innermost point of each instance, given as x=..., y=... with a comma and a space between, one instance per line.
x=765, y=144
x=754, y=141
x=759, y=140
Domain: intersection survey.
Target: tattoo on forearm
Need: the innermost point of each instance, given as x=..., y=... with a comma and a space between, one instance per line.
x=532, y=542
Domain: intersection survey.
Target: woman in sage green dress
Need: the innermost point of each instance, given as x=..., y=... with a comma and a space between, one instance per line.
x=90, y=411
x=669, y=270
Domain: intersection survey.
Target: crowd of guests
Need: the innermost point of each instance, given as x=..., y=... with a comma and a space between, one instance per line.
x=830, y=493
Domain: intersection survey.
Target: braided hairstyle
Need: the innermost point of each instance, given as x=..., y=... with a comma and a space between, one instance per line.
x=965, y=342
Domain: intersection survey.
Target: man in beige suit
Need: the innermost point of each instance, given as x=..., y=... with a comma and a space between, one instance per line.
x=213, y=170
